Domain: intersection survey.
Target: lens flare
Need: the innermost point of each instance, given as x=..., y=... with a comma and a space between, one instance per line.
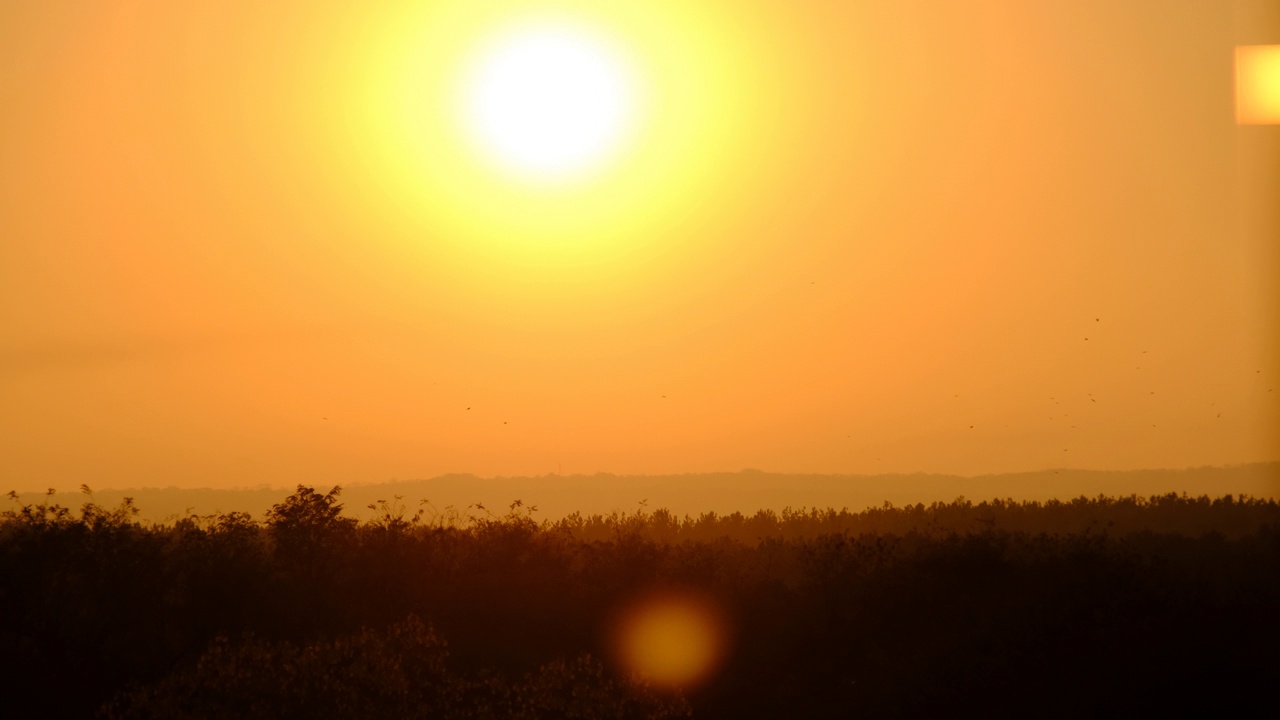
x=671, y=639
x=1258, y=84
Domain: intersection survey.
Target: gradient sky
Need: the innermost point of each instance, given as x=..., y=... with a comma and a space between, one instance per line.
x=239, y=245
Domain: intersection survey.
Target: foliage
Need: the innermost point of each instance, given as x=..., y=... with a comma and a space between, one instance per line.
x=1228, y=515
x=307, y=519
x=1102, y=605
x=400, y=672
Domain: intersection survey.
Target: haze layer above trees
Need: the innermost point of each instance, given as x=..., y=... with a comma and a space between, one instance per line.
x=744, y=492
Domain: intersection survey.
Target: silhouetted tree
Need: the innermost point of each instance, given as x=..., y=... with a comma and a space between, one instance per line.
x=307, y=517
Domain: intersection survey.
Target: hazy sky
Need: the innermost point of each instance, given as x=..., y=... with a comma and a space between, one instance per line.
x=239, y=244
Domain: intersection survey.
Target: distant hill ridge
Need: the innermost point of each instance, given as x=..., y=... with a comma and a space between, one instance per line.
x=747, y=491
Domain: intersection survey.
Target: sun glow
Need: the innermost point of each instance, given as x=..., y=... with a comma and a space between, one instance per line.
x=526, y=137
x=548, y=101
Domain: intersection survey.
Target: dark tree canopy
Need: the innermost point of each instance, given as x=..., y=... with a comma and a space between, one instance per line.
x=1087, y=608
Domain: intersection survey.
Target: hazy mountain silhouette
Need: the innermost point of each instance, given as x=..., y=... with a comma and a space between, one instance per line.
x=556, y=496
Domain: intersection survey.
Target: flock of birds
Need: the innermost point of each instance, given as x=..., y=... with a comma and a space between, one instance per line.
x=1055, y=401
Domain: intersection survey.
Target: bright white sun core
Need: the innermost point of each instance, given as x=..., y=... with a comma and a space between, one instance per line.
x=548, y=101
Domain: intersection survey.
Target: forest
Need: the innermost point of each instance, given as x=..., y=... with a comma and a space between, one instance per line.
x=1102, y=606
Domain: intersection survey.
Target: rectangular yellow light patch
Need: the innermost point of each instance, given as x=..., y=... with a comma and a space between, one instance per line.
x=1258, y=84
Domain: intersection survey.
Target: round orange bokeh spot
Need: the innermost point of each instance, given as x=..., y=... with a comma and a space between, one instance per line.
x=671, y=639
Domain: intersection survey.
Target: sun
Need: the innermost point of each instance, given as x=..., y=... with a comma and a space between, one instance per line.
x=548, y=101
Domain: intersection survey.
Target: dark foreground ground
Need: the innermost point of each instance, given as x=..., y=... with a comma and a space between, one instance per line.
x=1089, y=608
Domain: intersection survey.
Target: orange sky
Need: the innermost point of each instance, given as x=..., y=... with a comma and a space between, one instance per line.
x=237, y=246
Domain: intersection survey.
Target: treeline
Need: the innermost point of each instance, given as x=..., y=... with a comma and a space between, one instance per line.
x=1091, y=607
x=1171, y=513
